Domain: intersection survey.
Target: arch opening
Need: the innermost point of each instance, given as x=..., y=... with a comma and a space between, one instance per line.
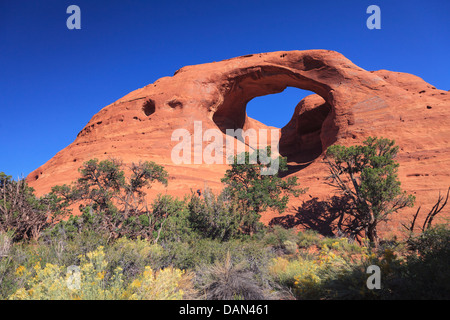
x=301, y=139
x=310, y=131
x=275, y=110
x=312, y=127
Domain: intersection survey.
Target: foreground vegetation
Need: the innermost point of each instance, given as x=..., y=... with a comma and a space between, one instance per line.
x=281, y=264
x=213, y=246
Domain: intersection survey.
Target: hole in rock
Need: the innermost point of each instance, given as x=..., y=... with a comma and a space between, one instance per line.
x=300, y=117
x=149, y=107
x=276, y=110
x=175, y=104
x=300, y=114
x=302, y=138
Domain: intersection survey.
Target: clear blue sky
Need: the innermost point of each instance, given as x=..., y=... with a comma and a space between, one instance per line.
x=53, y=80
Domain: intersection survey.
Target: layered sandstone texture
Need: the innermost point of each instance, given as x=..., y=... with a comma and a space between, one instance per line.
x=349, y=105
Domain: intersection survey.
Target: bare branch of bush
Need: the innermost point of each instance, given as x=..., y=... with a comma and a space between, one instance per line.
x=20, y=211
x=438, y=206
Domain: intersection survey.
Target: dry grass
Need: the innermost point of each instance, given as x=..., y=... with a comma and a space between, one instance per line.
x=228, y=281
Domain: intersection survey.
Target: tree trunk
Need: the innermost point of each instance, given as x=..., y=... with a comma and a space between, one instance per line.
x=372, y=234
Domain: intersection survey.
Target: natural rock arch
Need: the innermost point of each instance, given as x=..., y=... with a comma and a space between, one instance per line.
x=350, y=104
x=318, y=119
x=217, y=94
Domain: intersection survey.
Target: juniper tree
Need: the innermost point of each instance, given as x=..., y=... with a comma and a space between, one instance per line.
x=255, y=192
x=103, y=188
x=367, y=175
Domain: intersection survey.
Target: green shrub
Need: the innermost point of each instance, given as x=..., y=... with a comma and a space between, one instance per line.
x=6, y=240
x=184, y=255
x=214, y=217
x=282, y=240
x=434, y=239
x=169, y=218
x=426, y=275
x=314, y=276
x=254, y=191
x=284, y=270
x=308, y=238
x=111, y=202
x=343, y=245
x=290, y=247
x=132, y=256
x=53, y=282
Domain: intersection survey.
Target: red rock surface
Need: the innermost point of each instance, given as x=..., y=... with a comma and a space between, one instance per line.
x=350, y=104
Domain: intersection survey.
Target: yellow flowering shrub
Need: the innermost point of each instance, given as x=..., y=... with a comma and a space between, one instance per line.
x=329, y=258
x=329, y=264
x=317, y=274
x=92, y=282
x=46, y=284
x=278, y=267
x=166, y=284
x=307, y=283
x=295, y=273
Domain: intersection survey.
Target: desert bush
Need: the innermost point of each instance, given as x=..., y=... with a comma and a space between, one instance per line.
x=166, y=220
x=5, y=261
x=110, y=201
x=169, y=219
x=314, y=276
x=344, y=246
x=214, y=217
x=132, y=256
x=344, y=277
x=67, y=229
x=225, y=280
x=420, y=274
x=425, y=274
x=165, y=284
x=53, y=250
x=255, y=192
x=308, y=282
x=5, y=243
x=434, y=239
x=20, y=211
x=284, y=270
x=308, y=238
x=281, y=240
x=52, y=282
x=184, y=255
x=303, y=276
x=290, y=247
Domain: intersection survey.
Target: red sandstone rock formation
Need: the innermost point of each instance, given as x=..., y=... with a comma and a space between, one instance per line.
x=350, y=104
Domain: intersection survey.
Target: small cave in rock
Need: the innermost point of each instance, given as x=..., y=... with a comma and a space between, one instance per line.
x=149, y=107
x=174, y=104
